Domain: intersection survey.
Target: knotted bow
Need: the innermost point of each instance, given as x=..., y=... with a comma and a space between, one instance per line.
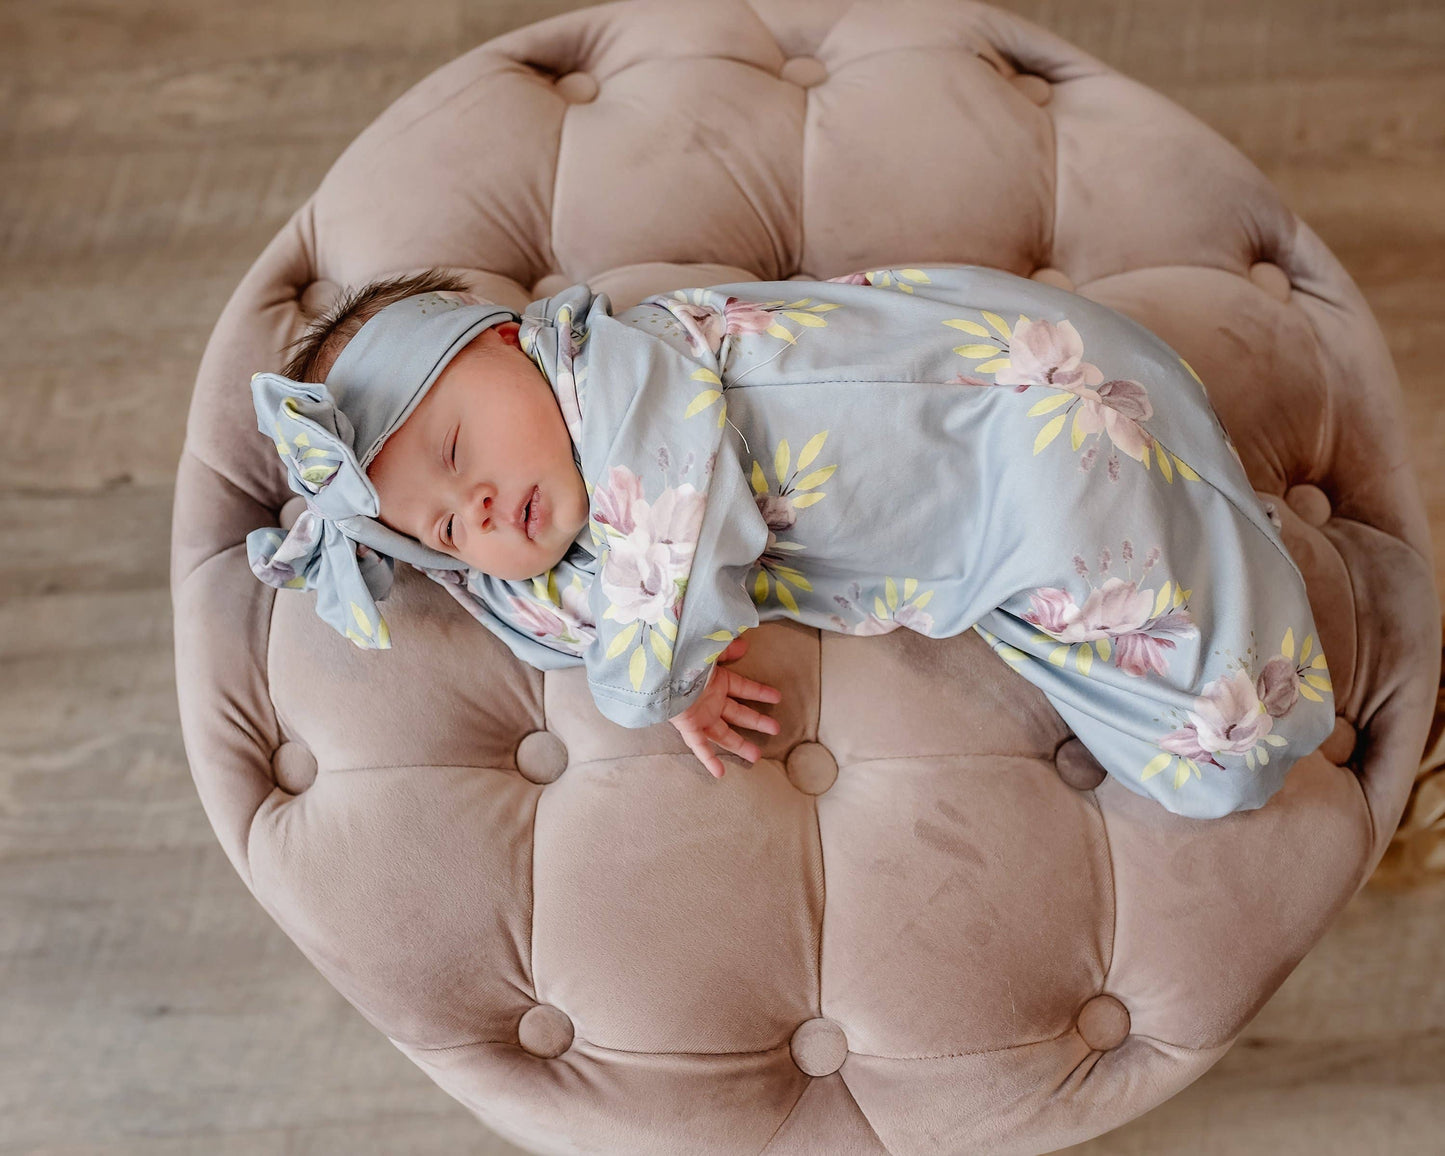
x=314, y=439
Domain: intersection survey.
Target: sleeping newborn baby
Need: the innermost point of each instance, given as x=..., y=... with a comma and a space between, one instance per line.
x=941, y=449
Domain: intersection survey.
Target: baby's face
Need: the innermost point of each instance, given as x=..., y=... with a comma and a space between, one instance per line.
x=458, y=470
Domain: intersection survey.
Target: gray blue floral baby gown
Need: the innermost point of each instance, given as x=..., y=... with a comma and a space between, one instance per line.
x=941, y=449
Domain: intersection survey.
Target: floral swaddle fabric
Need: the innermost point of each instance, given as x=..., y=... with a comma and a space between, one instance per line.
x=940, y=449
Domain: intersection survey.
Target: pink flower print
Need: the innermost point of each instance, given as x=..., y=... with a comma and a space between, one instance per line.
x=1278, y=686
x=1228, y=716
x=706, y=326
x=851, y=279
x=1115, y=607
x=613, y=500
x=641, y=573
x=1117, y=610
x=1142, y=651
x=1117, y=407
x=1045, y=353
x=571, y=621
x=777, y=512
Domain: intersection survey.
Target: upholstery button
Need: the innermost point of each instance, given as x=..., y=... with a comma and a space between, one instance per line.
x=317, y=298
x=541, y=756
x=1339, y=747
x=812, y=768
x=1104, y=1023
x=545, y=1030
x=819, y=1047
x=1271, y=278
x=804, y=71
x=1036, y=88
x=1055, y=277
x=1310, y=502
x=293, y=767
x=1077, y=765
x=578, y=87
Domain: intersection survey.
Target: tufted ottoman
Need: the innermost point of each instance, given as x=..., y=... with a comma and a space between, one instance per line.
x=924, y=921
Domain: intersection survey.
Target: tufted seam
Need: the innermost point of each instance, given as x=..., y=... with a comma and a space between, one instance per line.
x=1113, y=887
x=788, y=1115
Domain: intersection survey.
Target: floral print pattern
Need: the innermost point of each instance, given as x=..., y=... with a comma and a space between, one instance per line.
x=1103, y=643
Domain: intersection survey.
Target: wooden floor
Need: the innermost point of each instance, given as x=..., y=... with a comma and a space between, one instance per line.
x=148, y=151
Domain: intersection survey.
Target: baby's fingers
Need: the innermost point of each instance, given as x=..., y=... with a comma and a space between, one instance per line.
x=726, y=737
x=746, y=716
x=740, y=687
x=706, y=756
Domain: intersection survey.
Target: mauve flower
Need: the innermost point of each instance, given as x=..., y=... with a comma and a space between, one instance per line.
x=1116, y=607
x=1045, y=353
x=612, y=501
x=777, y=511
x=640, y=570
x=1228, y=716
x=1278, y=685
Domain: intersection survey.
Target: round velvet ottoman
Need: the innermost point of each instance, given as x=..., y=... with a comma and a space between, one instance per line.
x=923, y=921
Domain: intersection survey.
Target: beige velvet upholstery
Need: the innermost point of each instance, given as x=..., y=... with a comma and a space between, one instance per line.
x=923, y=922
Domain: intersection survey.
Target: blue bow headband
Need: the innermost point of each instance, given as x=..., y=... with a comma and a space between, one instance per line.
x=327, y=434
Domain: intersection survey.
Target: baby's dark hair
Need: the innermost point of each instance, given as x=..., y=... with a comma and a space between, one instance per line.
x=318, y=347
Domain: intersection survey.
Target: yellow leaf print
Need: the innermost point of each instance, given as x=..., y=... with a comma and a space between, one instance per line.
x=1189, y=367
x=780, y=460
x=1049, y=432
x=1318, y=681
x=720, y=636
x=705, y=374
x=1304, y=651
x=759, y=480
x=812, y=320
x=701, y=402
x=1163, y=462
x=811, y=448
x=785, y=596
x=993, y=366
x=1059, y=397
x=1155, y=765
x=793, y=576
x=977, y=350
x=1312, y=695
x=760, y=587
x=890, y=588
x=1085, y=658
x=997, y=322
x=1076, y=431
x=1161, y=602
x=1184, y=470
x=808, y=499
x=637, y=667
x=909, y=586
x=624, y=636
x=967, y=326
x=661, y=649
x=1286, y=647
x=668, y=627
x=1059, y=655
x=816, y=478
x=361, y=619
x=1104, y=649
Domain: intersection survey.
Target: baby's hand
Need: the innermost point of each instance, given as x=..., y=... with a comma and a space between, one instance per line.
x=710, y=713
